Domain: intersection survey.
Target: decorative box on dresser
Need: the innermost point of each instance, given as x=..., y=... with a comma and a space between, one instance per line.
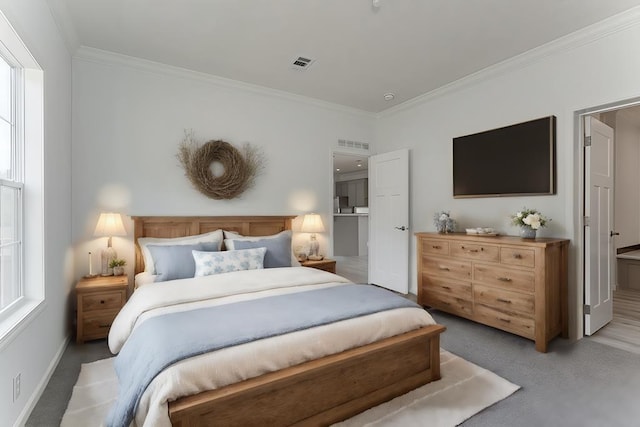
x=514, y=284
x=98, y=301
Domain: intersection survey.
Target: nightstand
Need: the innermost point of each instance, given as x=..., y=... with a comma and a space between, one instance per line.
x=324, y=264
x=98, y=302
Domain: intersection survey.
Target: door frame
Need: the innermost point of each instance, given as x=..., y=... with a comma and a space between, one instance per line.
x=576, y=317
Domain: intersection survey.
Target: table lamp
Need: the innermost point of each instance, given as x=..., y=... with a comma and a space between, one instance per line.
x=312, y=223
x=109, y=225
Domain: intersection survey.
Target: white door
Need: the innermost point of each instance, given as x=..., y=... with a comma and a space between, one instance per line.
x=389, y=220
x=598, y=234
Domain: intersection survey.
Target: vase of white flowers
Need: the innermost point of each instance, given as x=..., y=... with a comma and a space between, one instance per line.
x=443, y=222
x=529, y=221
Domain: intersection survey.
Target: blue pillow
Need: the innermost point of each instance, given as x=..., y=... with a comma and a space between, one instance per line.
x=176, y=261
x=278, y=249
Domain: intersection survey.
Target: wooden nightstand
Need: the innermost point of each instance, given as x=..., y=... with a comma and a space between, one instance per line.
x=324, y=264
x=98, y=302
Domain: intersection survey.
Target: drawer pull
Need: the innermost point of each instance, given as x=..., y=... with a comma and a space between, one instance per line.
x=517, y=256
x=504, y=320
x=506, y=301
x=104, y=326
x=504, y=279
x=436, y=247
x=443, y=268
x=446, y=287
x=101, y=301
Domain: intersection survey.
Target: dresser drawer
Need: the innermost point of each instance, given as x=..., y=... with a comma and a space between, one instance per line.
x=447, y=286
x=477, y=251
x=506, y=320
x=504, y=277
x=505, y=300
x=446, y=267
x=518, y=256
x=432, y=246
x=449, y=303
x=97, y=326
x=103, y=301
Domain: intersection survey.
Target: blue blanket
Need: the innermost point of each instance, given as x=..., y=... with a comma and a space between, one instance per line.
x=163, y=340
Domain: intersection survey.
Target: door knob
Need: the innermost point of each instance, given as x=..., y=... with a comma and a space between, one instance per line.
x=613, y=233
x=403, y=228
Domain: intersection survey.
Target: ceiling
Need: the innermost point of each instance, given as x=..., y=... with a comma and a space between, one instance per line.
x=348, y=163
x=361, y=52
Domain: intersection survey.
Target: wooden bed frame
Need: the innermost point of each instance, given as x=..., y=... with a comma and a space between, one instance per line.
x=318, y=392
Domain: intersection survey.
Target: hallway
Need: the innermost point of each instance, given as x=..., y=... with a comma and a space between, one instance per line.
x=624, y=330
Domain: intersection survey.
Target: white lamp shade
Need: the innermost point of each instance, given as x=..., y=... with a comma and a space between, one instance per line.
x=110, y=224
x=312, y=223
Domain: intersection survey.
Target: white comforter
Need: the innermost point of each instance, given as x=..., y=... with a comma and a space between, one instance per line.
x=233, y=364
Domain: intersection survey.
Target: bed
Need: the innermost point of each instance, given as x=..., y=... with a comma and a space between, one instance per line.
x=318, y=391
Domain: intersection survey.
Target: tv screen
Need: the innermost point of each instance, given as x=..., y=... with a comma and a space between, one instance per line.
x=510, y=161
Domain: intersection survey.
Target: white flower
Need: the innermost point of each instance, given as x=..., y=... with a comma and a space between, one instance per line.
x=444, y=217
x=533, y=221
x=529, y=218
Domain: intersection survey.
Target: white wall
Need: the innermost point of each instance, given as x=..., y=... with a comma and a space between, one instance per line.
x=627, y=179
x=130, y=115
x=33, y=351
x=589, y=69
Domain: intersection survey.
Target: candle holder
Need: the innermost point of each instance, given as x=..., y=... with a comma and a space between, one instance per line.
x=90, y=275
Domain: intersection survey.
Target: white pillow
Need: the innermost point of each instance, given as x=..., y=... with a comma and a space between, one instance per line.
x=208, y=263
x=229, y=236
x=149, y=265
x=143, y=278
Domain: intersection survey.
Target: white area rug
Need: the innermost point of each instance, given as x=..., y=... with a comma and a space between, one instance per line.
x=464, y=390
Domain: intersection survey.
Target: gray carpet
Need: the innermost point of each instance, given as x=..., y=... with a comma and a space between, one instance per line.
x=582, y=384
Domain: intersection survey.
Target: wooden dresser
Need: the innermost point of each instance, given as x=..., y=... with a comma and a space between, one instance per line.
x=514, y=284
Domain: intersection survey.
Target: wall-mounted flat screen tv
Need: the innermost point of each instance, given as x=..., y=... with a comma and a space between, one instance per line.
x=515, y=160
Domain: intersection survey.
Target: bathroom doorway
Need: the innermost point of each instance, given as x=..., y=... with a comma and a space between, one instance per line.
x=350, y=238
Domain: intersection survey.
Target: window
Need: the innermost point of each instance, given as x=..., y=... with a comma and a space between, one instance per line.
x=22, y=285
x=11, y=185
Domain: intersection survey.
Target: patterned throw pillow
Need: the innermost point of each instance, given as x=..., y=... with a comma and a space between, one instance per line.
x=208, y=263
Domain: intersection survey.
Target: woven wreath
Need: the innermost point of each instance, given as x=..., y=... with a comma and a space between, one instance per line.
x=240, y=170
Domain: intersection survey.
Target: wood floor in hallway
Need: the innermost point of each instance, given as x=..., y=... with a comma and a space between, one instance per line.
x=624, y=330
x=354, y=268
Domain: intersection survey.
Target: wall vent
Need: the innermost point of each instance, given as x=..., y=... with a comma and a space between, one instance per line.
x=353, y=145
x=301, y=63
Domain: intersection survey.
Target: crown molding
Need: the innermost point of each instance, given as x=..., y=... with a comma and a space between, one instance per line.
x=65, y=25
x=90, y=54
x=584, y=36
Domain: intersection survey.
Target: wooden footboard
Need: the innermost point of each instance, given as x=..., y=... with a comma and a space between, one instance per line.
x=322, y=391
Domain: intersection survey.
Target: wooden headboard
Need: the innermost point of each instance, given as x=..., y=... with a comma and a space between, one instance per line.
x=180, y=226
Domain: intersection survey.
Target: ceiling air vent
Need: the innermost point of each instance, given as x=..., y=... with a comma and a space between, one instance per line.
x=301, y=63
x=353, y=145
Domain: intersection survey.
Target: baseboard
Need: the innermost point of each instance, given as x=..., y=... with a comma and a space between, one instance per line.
x=37, y=393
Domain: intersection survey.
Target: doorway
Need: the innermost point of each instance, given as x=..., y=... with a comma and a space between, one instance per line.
x=350, y=239
x=623, y=330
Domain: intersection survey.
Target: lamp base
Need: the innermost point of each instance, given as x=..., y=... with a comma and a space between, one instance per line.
x=314, y=247
x=89, y=276
x=107, y=255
